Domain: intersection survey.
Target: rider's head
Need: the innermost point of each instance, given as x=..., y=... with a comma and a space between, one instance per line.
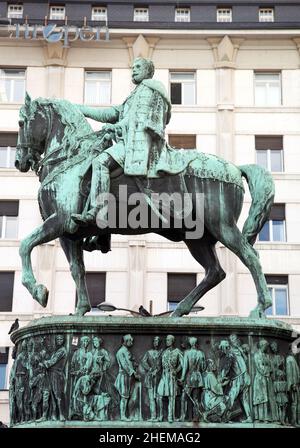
x=142, y=69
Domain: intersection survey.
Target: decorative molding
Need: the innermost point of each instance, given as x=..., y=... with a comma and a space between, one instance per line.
x=225, y=51
x=140, y=47
x=55, y=54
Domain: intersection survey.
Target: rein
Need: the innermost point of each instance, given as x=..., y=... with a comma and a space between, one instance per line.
x=38, y=163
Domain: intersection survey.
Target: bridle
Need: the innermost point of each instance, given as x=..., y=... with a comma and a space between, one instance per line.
x=34, y=150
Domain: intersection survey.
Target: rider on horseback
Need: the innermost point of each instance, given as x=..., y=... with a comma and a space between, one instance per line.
x=138, y=127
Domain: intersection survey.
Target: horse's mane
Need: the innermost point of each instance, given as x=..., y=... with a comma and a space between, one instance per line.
x=76, y=126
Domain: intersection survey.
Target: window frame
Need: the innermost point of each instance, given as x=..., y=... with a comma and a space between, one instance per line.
x=89, y=274
x=52, y=7
x=12, y=275
x=3, y=226
x=188, y=17
x=258, y=72
x=98, y=19
x=264, y=19
x=271, y=230
x=6, y=353
x=268, y=144
x=169, y=290
x=10, y=99
x=15, y=15
x=194, y=82
x=219, y=15
x=194, y=136
x=135, y=17
x=97, y=81
x=273, y=287
x=269, y=159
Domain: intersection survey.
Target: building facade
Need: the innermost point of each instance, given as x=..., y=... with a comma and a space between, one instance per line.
x=233, y=75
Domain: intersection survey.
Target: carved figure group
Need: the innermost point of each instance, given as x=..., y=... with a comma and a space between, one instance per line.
x=174, y=379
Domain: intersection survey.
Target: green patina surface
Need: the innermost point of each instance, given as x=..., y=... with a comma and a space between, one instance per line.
x=153, y=372
x=75, y=164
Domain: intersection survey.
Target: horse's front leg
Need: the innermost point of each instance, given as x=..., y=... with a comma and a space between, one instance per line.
x=74, y=254
x=48, y=231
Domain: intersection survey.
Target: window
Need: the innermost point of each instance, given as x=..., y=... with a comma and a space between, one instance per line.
x=57, y=12
x=97, y=88
x=183, y=89
x=266, y=15
x=15, y=11
x=3, y=367
x=12, y=85
x=267, y=89
x=7, y=289
x=99, y=14
x=269, y=152
x=7, y=150
x=9, y=211
x=141, y=15
x=278, y=287
x=274, y=228
x=182, y=15
x=96, y=285
x=182, y=141
x=224, y=15
x=179, y=285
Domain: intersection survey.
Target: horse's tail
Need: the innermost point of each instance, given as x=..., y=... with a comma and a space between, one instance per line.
x=262, y=190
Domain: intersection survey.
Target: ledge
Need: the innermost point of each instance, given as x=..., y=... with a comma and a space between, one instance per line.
x=151, y=325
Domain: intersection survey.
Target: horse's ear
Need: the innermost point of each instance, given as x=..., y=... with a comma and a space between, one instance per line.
x=27, y=100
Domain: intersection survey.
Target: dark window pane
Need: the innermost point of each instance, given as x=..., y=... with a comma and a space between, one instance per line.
x=3, y=355
x=182, y=141
x=268, y=142
x=8, y=139
x=6, y=290
x=9, y=208
x=264, y=234
x=176, y=96
x=179, y=285
x=276, y=279
x=281, y=301
x=96, y=282
x=277, y=212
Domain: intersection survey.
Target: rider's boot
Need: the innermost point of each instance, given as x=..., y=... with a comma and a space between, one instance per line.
x=99, y=190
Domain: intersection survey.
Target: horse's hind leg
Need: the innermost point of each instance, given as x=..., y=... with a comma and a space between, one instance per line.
x=231, y=237
x=48, y=231
x=74, y=253
x=205, y=253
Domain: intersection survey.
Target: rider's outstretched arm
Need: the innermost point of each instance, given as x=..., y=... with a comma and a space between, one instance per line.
x=108, y=115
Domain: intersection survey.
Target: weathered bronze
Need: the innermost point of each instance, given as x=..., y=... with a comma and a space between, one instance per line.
x=71, y=371
x=78, y=167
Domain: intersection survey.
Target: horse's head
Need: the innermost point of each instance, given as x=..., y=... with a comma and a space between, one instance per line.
x=32, y=135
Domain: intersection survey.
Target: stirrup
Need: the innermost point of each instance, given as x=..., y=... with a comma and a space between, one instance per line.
x=86, y=218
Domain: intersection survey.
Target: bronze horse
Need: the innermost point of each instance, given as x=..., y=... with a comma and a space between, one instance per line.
x=56, y=141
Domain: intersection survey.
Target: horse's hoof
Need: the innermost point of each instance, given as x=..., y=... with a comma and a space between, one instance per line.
x=257, y=313
x=82, y=311
x=41, y=294
x=177, y=313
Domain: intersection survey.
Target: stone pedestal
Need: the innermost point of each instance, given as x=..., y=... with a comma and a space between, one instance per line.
x=151, y=372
